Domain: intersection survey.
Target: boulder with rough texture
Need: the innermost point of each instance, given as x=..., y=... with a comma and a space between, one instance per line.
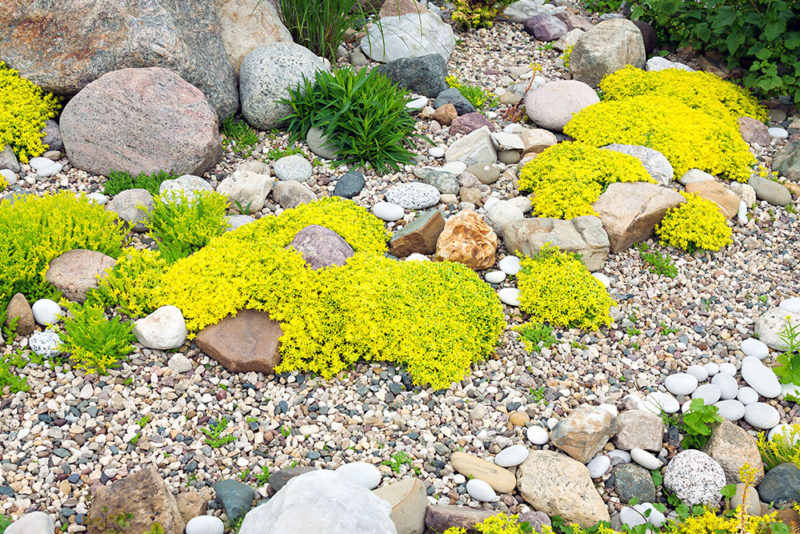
x=575, y=21
x=476, y=147
x=63, y=52
x=32, y=523
x=545, y=27
x=657, y=166
x=440, y=517
x=716, y=192
x=581, y=235
x=339, y=507
x=770, y=190
x=630, y=211
x=321, y=247
x=19, y=309
x=248, y=24
x=246, y=189
x=552, y=105
x=556, y=484
x=75, y=272
x=164, y=329
x=126, y=205
x=638, y=429
x=419, y=236
x=772, y=323
x=424, y=75
x=266, y=75
x=395, y=8
x=142, y=494
x=248, y=341
x=8, y=160
x=469, y=122
x=141, y=121
x=732, y=447
x=787, y=161
x=291, y=194
x=781, y=484
x=753, y=131
x=499, y=478
x=695, y=478
x=409, y=503
x=632, y=481
x=467, y=239
x=410, y=35
x=584, y=432
x=606, y=48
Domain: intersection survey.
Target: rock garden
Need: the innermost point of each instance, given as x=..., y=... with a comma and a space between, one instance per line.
x=401, y=267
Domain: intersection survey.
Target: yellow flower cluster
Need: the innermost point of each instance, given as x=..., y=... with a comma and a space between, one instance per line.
x=699, y=90
x=477, y=13
x=24, y=108
x=784, y=447
x=567, y=55
x=436, y=319
x=556, y=288
x=132, y=284
x=695, y=224
x=496, y=524
x=568, y=177
x=3, y=184
x=688, y=137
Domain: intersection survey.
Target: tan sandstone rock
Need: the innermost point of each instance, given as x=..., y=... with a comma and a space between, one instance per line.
x=499, y=478
x=732, y=447
x=725, y=199
x=467, y=239
x=248, y=24
x=584, y=432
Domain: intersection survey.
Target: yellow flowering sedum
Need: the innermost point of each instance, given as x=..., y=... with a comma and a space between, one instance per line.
x=24, y=108
x=695, y=224
x=3, y=184
x=688, y=138
x=784, y=447
x=556, y=288
x=132, y=284
x=568, y=177
x=496, y=524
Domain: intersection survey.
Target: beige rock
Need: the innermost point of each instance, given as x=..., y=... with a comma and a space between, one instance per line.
x=553, y=104
x=500, y=479
x=395, y=8
x=717, y=193
x=249, y=341
x=753, y=131
x=246, y=25
x=409, y=503
x=732, y=447
x=581, y=235
x=750, y=499
x=75, y=272
x=558, y=485
x=19, y=309
x=606, y=48
x=630, y=211
x=471, y=194
x=584, y=432
x=639, y=429
x=444, y=115
x=246, y=189
x=519, y=418
x=467, y=239
x=440, y=517
x=476, y=147
x=537, y=139
x=193, y=503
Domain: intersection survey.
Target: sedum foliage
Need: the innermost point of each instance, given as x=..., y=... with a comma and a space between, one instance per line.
x=35, y=230
x=688, y=138
x=695, y=224
x=784, y=447
x=24, y=108
x=475, y=94
x=568, y=177
x=496, y=524
x=131, y=285
x=3, y=184
x=478, y=13
x=556, y=288
x=95, y=343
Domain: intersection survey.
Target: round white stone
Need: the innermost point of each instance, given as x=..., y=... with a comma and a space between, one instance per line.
x=387, y=211
x=657, y=401
x=9, y=175
x=747, y=395
x=712, y=368
x=510, y=265
x=417, y=103
x=637, y=515
x=761, y=378
x=618, y=456
x=205, y=524
x=456, y=168
x=727, y=385
x=598, y=466
x=481, y=491
x=495, y=277
x=727, y=368
x=45, y=312
x=605, y=280
x=761, y=415
x=755, y=347
x=780, y=429
x=511, y=456
x=538, y=435
x=681, y=384
x=98, y=198
x=710, y=393
x=731, y=409
x=179, y=363
x=509, y=295
x=416, y=256
x=645, y=459
x=698, y=371
x=791, y=305
x=45, y=167
x=778, y=133
x=436, y=152
x=361, y=474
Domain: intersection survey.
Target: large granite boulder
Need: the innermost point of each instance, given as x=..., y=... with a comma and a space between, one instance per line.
x=141, y=121
x=581, y=235
x=248, y=24
x=552, y=105
x=410, y=35
x=606, y=48
x=64, y=46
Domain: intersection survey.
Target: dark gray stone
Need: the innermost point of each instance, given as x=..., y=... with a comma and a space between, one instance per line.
x=321, y=247
x=787, y=161
x=781, y=485
x=454, y=96
x=280, y=478
x=632, y=481
x=349, y=185
x=648, y=36
x=8, y=160
x=424, y=75
x=236, y=498
x=52, y=136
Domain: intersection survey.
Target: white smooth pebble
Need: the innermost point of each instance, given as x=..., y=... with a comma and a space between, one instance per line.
x=699, y=372
x=731, y=409
x=712, y=368
x=645, y=459
x=509, y=295
x=598, y=466
x=538, y=435
x=205, y=524
x=511, y=456
x=755, y=347
x=728, y=369
x=481, y=491
x=761, y=415
x=727, y=385
x=710, y=393
x=747, y=395
x=510, y=265
x=681, y=383
x=495, y=277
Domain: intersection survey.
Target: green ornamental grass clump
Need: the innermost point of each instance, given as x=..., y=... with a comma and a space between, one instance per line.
x=568, y=177
x=362, y=113
x=557, y=289
x=319, y=25
x=119, y=181
x=695, y=224
x=95, y=343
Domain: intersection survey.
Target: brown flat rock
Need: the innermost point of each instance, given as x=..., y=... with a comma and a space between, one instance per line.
x=75, y=272
x=246, y=342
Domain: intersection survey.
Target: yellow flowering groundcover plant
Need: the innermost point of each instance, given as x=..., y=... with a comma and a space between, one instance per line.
x=131, y=285
x=556, y=288
x=695, y=224
x=568, y=177
x=24, y=108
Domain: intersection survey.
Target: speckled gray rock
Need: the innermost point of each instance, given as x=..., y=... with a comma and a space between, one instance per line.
x=411, y=35
x=186, y=186
x=8, y=160
x=695, y=478
x=606, y=48
x=654, y=161
x=423, y=75
x=266, y=75
x=126, y=205
x=453, y=96
x=414, y=195
x=787, y=161
x=320, y=145
x=633, y=482
x=294, y=167
x=639, y=429
x=52, y=135
x=46, y=344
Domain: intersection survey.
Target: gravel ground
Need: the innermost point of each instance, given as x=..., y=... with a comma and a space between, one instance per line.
x=74, y=431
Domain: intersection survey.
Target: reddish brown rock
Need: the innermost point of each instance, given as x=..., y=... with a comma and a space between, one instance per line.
x=440, y=517
x=144, y=496
x=725, y=199
x=467, y=239
x=20, y=310
x=141, y=120
x=444, y=115
x=76, y=272
x=321, y=247
x=394, y=8
x=248, y=341
x=418, y=236
x=468, y=123
x=192, y=503
x=754, y=131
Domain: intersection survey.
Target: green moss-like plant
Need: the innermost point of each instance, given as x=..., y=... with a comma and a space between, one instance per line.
x=695, y=224
x=131, y=285
x=568, y=177
x=119, y=181
x=478, y=13
x=556, y=288
x=688, y=138
x=95, y=343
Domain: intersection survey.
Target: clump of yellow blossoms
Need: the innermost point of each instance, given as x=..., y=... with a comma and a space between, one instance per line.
x=695, y=224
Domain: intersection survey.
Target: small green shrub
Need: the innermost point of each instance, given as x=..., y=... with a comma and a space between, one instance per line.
x=131, y=285
x=119, y=181
x=10, y=365
x=95, y=343
x=788, y=368
x=35, y=230
x=556, y=288
x=478, y=13
x=783, y=448
x=602, y=6
x=278, y=154
x=362, y=113
x=475, y=94
x=695, y=224
x=696, y=424
x=319, y=25
x=239, y=135
x=660, y=263
x=536, y=336
x=24, y=108
x=568, y=177
x=182, y=226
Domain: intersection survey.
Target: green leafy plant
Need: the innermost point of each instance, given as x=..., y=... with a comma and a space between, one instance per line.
x=398, y=460
x=536, y=336
x=565, y=57
x=696, y=424
x=475, y=94
x=142, y=422
x=285, y=431
x=95, y=343
x=788, y=368
x=182, y=225
x=363, y=115
x=119, y=181
x=239, y=135
x=660, y=263
x=319, y=25
x=10, y=365
x=111, y=524
x=782, y=448
x=666, y=330
x=214, y=434
x=537, y=395
x=263, y=477
x=602, y=6
x=5, y=521
x=288, y=151
x=478, y=13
